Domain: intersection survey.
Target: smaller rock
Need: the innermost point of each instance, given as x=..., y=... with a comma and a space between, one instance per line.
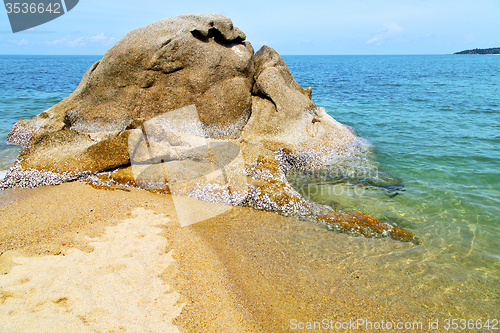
x=364, y=224
x=123, y=176
x=403, y=235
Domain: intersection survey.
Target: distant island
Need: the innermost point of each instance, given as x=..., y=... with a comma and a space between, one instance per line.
x=495, y=50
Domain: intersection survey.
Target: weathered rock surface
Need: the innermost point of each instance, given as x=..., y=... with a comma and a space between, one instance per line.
x=184, y=106
x=71, y=152
x=283, y=114
x=192, y=59
x=199, y=60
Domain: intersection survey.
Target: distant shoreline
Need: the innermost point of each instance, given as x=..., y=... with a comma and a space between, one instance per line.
x=494, y=50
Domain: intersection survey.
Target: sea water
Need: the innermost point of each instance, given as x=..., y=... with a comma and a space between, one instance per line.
x=434, y=123
x=30, y=85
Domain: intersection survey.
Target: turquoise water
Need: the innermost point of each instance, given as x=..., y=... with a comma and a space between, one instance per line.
x=31, y=84
x=434, y=122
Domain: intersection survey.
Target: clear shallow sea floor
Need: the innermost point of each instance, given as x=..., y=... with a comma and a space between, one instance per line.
x=435, y=124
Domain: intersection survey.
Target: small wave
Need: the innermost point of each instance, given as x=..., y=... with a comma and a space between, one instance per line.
x=360, y=147
x=356, y=165
x=3, y=173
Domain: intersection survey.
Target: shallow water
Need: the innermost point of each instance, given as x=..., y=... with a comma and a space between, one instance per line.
x=330, y=275
x=435, y=124
x=32, y=84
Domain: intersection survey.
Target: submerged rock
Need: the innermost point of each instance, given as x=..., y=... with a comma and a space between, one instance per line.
x=184, y=106
x=363, y=172
x=366, y=225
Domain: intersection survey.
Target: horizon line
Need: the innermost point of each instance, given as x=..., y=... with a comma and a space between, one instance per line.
x=306, y=55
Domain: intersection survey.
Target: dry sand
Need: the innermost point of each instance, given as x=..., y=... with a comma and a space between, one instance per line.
x=95, y=260
x=115, y=287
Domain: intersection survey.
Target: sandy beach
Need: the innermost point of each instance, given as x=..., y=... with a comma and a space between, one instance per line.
x=101, y=260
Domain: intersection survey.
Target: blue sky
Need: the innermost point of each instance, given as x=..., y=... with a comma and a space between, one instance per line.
x=289, y=26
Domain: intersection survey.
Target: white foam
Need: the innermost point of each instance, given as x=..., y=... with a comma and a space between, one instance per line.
x=114, y=288
x=3, y=173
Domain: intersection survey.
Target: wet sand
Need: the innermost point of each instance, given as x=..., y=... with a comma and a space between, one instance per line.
x=241, y=271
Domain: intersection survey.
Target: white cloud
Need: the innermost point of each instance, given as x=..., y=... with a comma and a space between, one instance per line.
x=55, y=42
x=81, y=41
x=265, y=42
x=390, y=30
x=19, y=42
x=100, y=39
x=97, y=39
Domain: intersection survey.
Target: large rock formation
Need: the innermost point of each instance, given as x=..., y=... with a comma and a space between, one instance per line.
x=184, y=106
x=199, y=60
